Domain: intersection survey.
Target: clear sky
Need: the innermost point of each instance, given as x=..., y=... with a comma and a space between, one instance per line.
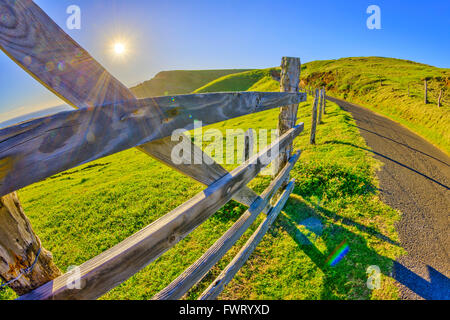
x=208, y=34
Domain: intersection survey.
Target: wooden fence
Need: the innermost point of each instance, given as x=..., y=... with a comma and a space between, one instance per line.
x=107, y=119
x=318, y=109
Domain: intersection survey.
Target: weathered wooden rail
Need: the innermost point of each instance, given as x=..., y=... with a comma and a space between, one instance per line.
x=38, y=149
x=109, y=119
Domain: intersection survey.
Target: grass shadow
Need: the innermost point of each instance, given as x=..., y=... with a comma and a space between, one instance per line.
x=438, y=288
x=348, y=277
x=318, y=231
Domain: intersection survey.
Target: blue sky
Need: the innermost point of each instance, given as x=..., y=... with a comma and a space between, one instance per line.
x=184, y=34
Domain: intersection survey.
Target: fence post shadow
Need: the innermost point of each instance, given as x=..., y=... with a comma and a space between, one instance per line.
x=355, y=264
x=438, y=288
x=390, y=159
x=352, y=269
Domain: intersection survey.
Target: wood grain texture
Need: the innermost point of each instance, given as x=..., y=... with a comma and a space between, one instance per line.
x=46, y=52
x=233, y=267
x=321, y=97
x=192, y=275
x=290, y=80
x=40, y=148
x=19, y=246
x=312, y=139
x=112, y=267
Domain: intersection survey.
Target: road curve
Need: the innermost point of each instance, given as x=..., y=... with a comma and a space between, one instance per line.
x=414, y=179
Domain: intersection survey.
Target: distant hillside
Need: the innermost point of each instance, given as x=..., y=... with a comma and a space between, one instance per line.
x=378, y=83
x=382, y=85
x=179, y=81
x=241, y=81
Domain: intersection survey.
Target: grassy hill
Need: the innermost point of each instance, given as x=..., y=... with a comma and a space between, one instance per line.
x=178, y=82
x=241, y=82
x=82, y=212
x=381, y=84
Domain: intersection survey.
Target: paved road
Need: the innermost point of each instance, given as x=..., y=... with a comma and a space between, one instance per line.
x=414, y=179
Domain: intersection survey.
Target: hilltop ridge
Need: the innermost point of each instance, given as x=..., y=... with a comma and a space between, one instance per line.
x=178, y=81
x=390, y=86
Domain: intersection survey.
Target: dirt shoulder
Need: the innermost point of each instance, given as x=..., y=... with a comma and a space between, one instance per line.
x=414, y=179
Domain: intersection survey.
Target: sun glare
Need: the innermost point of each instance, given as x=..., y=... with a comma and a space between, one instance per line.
x=119, y=48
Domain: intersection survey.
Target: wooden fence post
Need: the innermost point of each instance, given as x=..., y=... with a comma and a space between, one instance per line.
x=289, y=82
x=314, y=118
x=426, y=91
x=249, y=144
x=21, y=250
x=320, y=106
x=324, y=100
x=439, y=98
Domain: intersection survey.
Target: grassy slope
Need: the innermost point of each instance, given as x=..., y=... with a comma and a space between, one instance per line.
x=178, y=82
x=82, y=212
x=237, y=82
x=382, y=85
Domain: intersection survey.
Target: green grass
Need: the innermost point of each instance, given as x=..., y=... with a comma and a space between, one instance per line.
x=381, y=84
x=178, y=82
x=82, y=212
x=237, y=82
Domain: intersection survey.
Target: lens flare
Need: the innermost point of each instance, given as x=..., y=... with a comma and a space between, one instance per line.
x=119, y=48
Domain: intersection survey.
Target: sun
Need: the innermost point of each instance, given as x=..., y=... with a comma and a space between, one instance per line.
x=119, y=48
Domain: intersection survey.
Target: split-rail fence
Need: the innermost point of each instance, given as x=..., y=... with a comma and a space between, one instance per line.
x=107, y=118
